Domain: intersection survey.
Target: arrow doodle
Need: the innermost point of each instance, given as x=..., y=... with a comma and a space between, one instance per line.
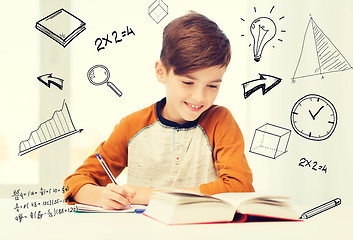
x=252, y=86
x=48, y=79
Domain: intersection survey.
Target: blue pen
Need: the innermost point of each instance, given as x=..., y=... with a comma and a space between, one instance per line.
x=100, y=159
x=139, y=210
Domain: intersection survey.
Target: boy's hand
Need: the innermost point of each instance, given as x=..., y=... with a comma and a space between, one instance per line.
x=117, y=197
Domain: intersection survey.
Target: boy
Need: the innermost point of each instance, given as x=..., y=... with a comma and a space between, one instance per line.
x=182, y=141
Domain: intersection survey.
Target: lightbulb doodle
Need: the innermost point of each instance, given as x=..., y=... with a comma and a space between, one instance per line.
x=318, y=54
x=263, y=30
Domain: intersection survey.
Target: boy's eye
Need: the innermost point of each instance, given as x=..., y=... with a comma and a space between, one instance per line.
x=188, y=83
x=212, y=86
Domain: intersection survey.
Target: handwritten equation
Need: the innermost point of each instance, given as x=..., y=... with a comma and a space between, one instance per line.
x=28, y=208
x=102, y=43
x=303, y=162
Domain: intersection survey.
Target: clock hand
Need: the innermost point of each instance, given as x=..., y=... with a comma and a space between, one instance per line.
x=312, y=115
x=318, y=111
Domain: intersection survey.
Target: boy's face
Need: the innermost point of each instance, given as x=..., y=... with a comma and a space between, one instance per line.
x=189, y=95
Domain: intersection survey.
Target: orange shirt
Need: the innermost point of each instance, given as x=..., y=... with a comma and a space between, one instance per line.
x=207, y=152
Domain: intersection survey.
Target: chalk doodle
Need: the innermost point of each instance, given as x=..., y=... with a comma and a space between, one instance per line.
x=59, y=126
x=263, y=30
x=48, y=79
x=61, y=26
x=318, y=54
x=265, y=82
x=314, y=117
x=270, y=141
x=158, y=10
x=322, y=208
x=102, y=43
x=40, y=207
x=99, y=74
x=303, y=162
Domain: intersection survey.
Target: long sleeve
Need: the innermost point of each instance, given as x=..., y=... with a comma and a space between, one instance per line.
x=114, y=153
x=226, y=139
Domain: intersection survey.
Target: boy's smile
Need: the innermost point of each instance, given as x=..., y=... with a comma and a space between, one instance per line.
x=189, y=95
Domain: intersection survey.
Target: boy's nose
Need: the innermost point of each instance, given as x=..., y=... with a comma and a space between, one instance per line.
x=198, y=95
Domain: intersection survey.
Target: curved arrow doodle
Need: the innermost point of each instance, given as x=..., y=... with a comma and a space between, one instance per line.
x=252, y=86
x=48, y=79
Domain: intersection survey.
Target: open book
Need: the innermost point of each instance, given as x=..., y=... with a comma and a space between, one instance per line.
x=177, y=207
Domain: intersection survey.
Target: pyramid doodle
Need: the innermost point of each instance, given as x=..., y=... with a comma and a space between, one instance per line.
x=318, y=54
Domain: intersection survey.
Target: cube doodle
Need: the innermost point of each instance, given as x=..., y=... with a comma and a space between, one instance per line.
x=158, y=10
x=270, y=141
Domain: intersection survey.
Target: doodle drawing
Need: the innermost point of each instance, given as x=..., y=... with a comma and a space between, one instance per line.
x=99, y=74
x=59, y=126
x=61, y=26
x=314, y=117
x=48, y=79
x=158, y=10
x=265, y=82
x=318, y=54
x=263, y=30
x=322, y=208
x=270, y=141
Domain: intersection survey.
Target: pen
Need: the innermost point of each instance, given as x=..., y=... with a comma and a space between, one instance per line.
x=109, y=173
x=319, y=209
x=139, y=210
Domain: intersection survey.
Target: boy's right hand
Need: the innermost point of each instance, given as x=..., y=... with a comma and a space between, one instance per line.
x=117, y=197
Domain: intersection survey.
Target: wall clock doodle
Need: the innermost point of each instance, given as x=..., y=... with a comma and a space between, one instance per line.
x=314, y=117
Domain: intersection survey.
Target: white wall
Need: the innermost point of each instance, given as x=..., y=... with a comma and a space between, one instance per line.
x=131, y=63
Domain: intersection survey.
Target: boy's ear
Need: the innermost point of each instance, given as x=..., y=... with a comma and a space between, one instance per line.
x=161, y=72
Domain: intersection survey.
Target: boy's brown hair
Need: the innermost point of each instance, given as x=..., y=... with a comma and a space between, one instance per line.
x=193, y=42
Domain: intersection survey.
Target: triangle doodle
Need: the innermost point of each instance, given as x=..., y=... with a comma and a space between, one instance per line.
x=318, y=54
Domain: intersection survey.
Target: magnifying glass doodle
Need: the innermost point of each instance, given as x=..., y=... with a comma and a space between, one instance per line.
x=98, y=75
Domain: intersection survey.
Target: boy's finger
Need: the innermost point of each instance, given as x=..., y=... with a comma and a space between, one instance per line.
x=129, y=191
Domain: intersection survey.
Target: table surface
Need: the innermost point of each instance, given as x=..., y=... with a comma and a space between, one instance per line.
x=335, y=223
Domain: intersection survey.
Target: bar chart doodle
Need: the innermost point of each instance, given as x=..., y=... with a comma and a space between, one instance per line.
x=318, y=54
x=59, y=126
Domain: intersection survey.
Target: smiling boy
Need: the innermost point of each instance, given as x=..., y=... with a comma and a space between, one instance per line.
x=182, y=141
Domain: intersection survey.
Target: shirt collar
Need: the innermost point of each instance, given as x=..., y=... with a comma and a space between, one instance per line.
x=169, y=123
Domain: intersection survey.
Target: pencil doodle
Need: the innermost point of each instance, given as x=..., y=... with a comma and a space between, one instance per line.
x=61, y=26
x=48, y=80
x=265, y=82
x=322, y=208
x=99, y=74
x=263, y=30
x=118, y=37
x=59, y=126
x=314, y=117
x=158, y=10
x=270, y=141
x=303, y=162
x=318, y=54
